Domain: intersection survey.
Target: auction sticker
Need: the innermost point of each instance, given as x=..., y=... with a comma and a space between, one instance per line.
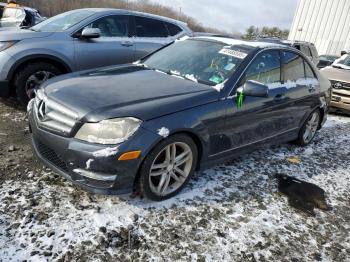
x=233, y=53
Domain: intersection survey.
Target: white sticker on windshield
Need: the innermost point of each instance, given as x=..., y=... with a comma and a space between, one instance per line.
x=233, y=53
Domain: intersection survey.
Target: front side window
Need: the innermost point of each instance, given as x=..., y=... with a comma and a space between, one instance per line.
x=112, y=26
x=265, y=69
x=293, y=66
x=147, y=27
x=62, y=22
x=207, y=62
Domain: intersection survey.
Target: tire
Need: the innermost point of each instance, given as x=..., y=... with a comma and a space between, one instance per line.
x=30, y=78
x=310, y=127
x=156, y=163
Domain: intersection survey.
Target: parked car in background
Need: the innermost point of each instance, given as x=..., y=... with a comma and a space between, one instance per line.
x=339, y=75
x=326, y=60
x=193, y=104
x=306, y=48
x=78, y=40
x=14, y=16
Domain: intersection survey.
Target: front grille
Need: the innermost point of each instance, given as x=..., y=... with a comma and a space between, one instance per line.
x=51, y=156
x=52, y=115
x=340, y=85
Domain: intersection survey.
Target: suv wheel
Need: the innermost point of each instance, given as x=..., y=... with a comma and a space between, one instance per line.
x=168, y=168
x=30, y=78
x=309, y=129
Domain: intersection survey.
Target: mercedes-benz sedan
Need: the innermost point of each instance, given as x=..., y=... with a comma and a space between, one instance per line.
x=150, y=125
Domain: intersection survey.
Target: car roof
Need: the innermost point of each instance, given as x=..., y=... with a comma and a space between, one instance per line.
x=232, y=41
x=107, y=10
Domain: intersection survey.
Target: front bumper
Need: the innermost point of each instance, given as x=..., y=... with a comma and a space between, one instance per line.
x=77, y=160
x=340, y=101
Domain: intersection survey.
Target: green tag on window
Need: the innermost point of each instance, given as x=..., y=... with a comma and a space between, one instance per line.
x=216, y=79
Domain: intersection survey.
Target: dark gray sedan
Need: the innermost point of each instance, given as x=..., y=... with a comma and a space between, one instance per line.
x=149, y=125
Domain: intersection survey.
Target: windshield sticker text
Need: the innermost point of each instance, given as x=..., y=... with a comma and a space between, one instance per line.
x=233, y=53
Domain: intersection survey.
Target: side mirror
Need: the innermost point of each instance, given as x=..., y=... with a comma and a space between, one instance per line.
x=90, y=33
x=253, y=88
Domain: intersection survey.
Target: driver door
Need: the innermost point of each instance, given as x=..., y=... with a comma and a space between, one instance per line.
x=113, y=47
x=259, y=118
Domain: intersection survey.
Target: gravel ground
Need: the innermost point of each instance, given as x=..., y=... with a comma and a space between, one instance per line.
x=232, y=212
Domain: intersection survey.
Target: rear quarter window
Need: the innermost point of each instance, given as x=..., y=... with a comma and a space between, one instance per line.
x=172, y=29
x=309, y=73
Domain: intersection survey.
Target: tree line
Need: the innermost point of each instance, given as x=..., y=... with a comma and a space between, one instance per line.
x=53, y=7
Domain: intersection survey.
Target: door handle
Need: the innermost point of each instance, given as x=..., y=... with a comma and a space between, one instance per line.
x=127, y=43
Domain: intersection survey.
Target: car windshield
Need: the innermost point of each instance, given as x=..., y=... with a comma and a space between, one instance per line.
x=343, y=62
x=63, y=21
x=202, y=61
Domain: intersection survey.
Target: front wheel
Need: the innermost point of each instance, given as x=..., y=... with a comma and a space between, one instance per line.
x=309, y=129
x=168, y=168
x=29, y=79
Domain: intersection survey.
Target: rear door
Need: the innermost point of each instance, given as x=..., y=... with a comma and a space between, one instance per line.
x=260, y=118
x=115, y=46
x=150, y=34
x=301, y=84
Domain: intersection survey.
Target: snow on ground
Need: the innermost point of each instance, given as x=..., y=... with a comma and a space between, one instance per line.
x=231, y=212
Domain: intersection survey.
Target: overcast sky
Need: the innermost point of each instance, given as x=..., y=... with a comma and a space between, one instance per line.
x=237, y=15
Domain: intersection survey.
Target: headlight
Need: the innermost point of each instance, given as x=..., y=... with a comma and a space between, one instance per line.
x=6, y=45
x=109, y=132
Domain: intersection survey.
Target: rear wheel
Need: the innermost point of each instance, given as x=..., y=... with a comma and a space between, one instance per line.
x=309, y=129
x=30, y=78
x=168, y=168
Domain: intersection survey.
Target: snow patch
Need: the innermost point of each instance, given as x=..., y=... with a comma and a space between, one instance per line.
x=292, y=84
x=192, y=78
x=182, y=39
x=164, y=132
x=88, y=163
x=109, y=151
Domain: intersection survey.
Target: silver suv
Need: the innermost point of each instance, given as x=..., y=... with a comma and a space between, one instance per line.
x=79, y=40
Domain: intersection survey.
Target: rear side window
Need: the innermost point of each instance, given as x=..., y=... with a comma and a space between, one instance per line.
x=148, y=27
x=293, y=65
x=265, y=69
x=172, y=29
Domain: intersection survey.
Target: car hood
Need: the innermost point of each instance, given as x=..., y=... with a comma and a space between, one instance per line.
x=337, y=74
x=17, y=34
x=126, y=91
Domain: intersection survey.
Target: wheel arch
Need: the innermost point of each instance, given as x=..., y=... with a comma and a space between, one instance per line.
x=196, y=139
x=20, y=64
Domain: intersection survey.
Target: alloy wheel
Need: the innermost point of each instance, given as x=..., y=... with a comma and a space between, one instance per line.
x=35, y=80
x=311, y=127
x=170, y=168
